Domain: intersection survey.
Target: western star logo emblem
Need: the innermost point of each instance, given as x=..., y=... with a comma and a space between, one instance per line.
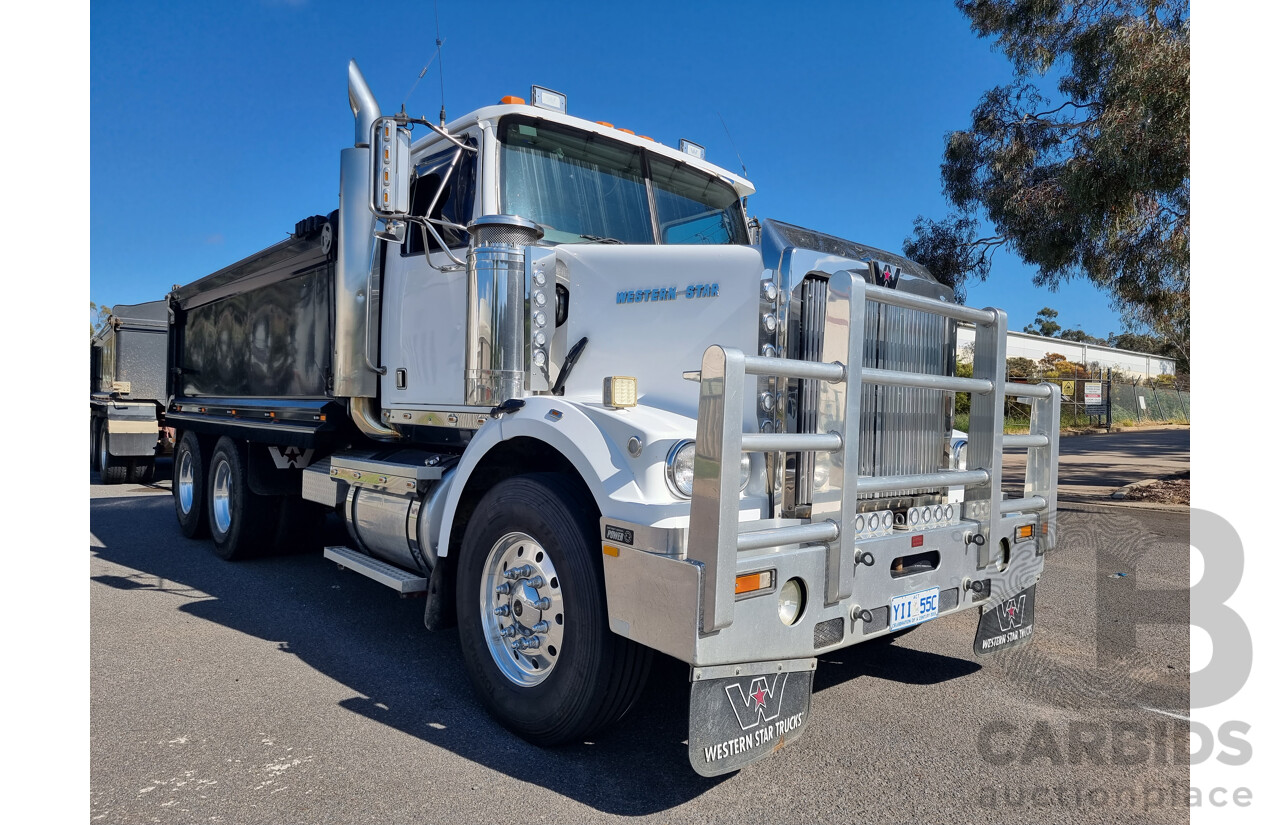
x=1010, y=612
x=290, y=457
x=760, y=703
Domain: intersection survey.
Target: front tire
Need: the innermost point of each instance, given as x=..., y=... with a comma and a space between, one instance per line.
x=531, y=611
x=241, y=522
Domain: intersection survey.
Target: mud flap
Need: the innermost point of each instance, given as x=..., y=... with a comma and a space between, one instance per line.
x=741, y=713
x=1006, y=624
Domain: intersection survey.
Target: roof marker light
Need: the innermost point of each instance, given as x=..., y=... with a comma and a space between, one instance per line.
x=544, y=98
x=605, y=123
x=628, y=131
x=512, y=99
x=691, y=148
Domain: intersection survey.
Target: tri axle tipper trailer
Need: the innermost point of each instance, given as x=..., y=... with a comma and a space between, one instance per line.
x=554, y=380
x=127, y=393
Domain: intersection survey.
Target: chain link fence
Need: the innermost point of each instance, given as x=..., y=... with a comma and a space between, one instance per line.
x=1108, y=400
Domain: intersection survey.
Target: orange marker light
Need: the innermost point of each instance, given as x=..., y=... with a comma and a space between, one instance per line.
x=610, y=550
x=605, y=123
x=751, y=582
x=628, y=131
x=645, y=137
x=512, y=99
x=1026, y=531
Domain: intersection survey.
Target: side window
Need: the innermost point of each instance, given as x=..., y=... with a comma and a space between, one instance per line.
x=453, y=205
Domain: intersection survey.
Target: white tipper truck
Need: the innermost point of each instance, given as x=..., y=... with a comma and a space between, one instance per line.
x=554, y=380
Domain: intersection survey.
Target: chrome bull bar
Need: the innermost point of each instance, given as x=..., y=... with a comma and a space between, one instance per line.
x=715, y=534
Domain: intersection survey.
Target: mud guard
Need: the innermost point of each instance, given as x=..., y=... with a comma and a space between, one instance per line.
x=1007, y=624
x=741, y=713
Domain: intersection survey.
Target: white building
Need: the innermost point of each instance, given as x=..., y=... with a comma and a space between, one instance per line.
x=1035, y=347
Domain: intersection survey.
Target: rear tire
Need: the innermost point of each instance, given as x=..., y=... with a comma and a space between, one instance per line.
x=188, y=487
x=142, y=471
x=580, y=677
x=111, y=470
x=241, y=523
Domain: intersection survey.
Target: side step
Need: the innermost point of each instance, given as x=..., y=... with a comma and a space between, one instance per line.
x=400, y=580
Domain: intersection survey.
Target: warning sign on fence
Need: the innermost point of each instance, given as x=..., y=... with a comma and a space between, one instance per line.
x=1093, y=398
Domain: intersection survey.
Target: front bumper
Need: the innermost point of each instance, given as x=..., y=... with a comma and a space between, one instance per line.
x=655, y=598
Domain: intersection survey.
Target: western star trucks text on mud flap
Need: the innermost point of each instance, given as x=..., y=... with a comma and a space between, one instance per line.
x=556, y=384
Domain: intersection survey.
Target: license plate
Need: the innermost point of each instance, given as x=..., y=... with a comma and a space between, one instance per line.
x=913, y=608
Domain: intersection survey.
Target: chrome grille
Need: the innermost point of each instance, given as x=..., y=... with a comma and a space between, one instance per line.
x=904, y=430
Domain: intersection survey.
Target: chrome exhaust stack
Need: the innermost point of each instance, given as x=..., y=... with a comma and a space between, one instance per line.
x=354, y=320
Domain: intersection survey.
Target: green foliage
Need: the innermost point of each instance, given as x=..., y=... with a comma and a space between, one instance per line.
x=1044, y=324
x=98, y=315
x=1021, y=368
x=1093, y=181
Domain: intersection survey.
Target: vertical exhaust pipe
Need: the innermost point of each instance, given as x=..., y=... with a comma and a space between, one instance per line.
x=353, y=288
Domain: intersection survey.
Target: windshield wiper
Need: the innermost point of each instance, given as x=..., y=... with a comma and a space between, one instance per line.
x=599, y=239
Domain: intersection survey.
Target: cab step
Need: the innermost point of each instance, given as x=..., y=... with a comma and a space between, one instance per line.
x=398, y=579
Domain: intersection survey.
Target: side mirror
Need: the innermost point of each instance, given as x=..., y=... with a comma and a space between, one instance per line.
x=390, y=170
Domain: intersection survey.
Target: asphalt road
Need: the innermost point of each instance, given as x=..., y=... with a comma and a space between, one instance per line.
x=286, y=690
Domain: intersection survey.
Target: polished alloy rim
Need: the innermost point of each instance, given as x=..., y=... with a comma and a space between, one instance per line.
x=186, y=483
x=104, y=456
x=522, y=609
x=222, y=496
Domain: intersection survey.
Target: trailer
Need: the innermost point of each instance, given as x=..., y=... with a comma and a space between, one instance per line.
x=557, y=384
x=127, y=393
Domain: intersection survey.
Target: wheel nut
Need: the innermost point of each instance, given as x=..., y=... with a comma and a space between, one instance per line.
x=543, y=603
x=509, y=631
x=502, y=610
x=540, y=627
x=536, y=582
x=504, y=588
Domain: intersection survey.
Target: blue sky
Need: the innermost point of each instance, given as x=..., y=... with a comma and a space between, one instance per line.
x=216, y=126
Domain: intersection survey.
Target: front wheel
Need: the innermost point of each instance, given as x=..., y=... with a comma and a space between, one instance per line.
x=531, y=614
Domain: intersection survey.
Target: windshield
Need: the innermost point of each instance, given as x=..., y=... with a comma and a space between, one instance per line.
x=581, y=187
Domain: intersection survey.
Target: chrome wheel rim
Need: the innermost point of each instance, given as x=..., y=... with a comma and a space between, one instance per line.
x=222, y=496
x=104, y=456
x=186, y=483
x=522, y=609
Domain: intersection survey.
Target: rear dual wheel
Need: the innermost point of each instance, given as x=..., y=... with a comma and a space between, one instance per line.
x=111, y=470
x=241, y=522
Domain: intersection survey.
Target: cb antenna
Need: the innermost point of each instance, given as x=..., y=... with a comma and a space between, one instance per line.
x=731, y=143
x=421, y=75
x=439, y=44
x=735, y=151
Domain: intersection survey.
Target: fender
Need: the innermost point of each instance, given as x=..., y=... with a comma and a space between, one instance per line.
x=594, y=439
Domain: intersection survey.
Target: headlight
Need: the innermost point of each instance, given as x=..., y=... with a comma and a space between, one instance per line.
x=791, y=601
x=680, y=470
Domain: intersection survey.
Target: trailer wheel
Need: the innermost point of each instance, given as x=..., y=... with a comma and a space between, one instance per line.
x=532, y=618
x=142, y=471
x=188, y=487
x=241, y=522
x=93, y=443
x=111, y=470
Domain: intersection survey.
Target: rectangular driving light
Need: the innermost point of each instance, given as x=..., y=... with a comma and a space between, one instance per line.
x=691, y=148
x=620, y=391
x=544, y=98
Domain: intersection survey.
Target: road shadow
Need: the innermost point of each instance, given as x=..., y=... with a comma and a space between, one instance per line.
x=360, y=634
